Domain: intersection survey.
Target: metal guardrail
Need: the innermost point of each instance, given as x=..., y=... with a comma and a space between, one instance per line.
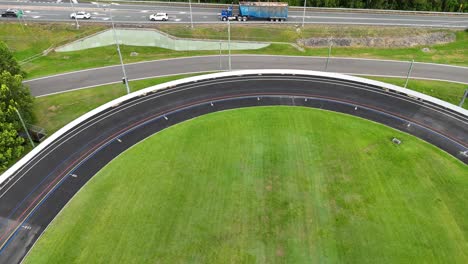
x=7, y=175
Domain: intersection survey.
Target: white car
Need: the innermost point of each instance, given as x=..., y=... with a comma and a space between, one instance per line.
x=80, y=15
x=159, y=17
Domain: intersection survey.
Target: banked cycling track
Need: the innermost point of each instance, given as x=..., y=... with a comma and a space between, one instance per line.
x=35, y=189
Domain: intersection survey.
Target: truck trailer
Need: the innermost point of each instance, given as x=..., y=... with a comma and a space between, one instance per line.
x=273, y=11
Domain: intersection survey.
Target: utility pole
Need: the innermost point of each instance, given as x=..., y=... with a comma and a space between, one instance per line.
x=74, y=11
x=24, y=126
x=125, y=79
x=220, y=55
x=409, y=73
x=303, y=15
x=463, y=99
x=328, y=57
x=191, y=17
x=229, y=43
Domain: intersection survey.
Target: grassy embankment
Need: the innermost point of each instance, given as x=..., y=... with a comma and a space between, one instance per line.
x=264, y=185
x=32, y=39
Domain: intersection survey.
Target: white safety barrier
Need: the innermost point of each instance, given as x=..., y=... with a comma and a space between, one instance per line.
x=7, y=174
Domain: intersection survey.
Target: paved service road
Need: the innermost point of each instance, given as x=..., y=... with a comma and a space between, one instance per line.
x=139, y=13
x=38, y=191
x=113, y=74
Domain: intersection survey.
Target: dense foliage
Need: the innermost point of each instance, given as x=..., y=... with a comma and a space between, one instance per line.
x=420, y=5
x=14, y=96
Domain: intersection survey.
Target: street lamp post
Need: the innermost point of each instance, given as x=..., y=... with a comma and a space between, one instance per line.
x=74, y=11
x=25, y=128
x=220, y=55
x=409, y=73
x=303, y=15
x=125, y=79
x=328, y=57
x=191, y=17
x=229, y=44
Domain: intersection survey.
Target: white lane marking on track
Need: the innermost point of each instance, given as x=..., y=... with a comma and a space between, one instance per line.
x=144, y=11
x=177, y=19
x=36, y=16
x=181, y=12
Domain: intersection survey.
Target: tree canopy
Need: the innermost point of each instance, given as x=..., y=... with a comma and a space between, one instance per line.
x=14, y=96
x=8, y=62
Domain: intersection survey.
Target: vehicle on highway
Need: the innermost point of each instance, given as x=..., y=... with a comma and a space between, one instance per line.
x=273, y=11
x=12, y=13
x=159, y=17
x=80, y=15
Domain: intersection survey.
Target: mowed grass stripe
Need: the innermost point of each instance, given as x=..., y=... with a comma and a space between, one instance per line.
x=268, y=185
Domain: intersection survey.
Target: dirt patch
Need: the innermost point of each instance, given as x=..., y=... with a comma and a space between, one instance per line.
x=387, y=42
x=280, y=251
x=53, y=108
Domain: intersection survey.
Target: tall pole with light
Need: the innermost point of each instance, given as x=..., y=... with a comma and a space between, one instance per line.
x=125, y=79
x=303, y=14
x=24, y=126
x=74, y=11
x=229, y=44
x=191, y=17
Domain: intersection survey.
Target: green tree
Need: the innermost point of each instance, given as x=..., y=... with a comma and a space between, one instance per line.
x=11, y=145
x=8, y=62
x=13, y=96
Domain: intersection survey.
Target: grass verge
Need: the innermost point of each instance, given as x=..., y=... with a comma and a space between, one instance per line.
x=265, y=185
x=446, y=91
x=30, y=40
x=26, y=41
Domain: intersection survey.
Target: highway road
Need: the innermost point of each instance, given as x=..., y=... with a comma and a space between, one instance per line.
x=113, y=74
x=136, y=13
x=39, y=190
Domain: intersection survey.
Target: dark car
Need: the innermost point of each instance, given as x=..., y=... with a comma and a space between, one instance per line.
x=11, y=13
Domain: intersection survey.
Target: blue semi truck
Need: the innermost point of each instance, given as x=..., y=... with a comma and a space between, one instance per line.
x=273, y=11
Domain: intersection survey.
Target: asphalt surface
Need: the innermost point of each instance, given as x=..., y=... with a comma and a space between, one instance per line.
x=39, y=190
x=113, y=74
x=126, y=13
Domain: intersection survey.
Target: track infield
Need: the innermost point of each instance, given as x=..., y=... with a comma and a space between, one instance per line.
x=268, y=185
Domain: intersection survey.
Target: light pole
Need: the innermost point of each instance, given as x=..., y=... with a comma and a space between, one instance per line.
x=229, y=44
x=125, y=79
x=409, y=73
x=191, y=17
x=463, y=98
x=74, y=11
x=220, y=55
x=24, y=126
x=328, y=57
x=303, y=15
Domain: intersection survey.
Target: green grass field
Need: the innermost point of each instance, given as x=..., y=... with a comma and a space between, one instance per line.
x=268, y=185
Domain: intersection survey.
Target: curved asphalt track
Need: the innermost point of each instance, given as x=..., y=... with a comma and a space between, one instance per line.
x=141, y=70
x=41, y=188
